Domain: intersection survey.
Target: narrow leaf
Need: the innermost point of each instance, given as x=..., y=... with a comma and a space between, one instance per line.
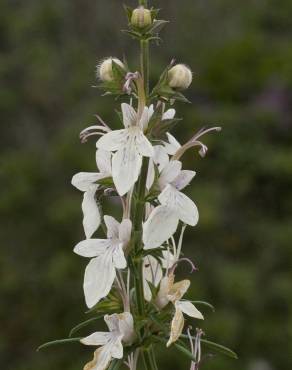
x=59, y=341
x=219, y=348
x=84, y=324
x=203, y=303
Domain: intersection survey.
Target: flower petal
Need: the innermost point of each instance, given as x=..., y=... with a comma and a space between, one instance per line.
x=177, y=326
x=125, y=229
x=183, y=179
x=91, y=219
x=146, y=116
x=169, y=173
x=129, y=115
x=119, y=259
x=160, y=157
x=101, y=359
x=169, y=114
x=126, y=326
x=189, y=309
x=98, y=279
x=92, y=247
x=152, y=270
x=116, y=348
x=127, y=164
x=160, y=226
x=173, y=145
x=112, y=141
x=103, y=161
x=96, y=339
x=112, y=226
x=112, y=322
x=178, y=290
x=183, y=206
x=150, y=175
x=144, y=146
x=83, y=180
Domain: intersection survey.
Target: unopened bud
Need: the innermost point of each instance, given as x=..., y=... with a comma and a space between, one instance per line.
x=141, y=17
x=180, y=77
x=105, y=69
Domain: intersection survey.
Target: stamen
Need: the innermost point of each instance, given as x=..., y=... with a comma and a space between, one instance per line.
x=172, y=270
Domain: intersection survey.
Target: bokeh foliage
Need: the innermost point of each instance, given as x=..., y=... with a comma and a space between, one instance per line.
x=241, y=56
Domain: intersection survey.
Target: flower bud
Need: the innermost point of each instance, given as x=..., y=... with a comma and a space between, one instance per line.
x=141, y=17
x=105, y=69
x=180, y=77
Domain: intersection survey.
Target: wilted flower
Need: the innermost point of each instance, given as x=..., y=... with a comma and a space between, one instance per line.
x=141, y=17
x=104, y=70
x=107, y=256
x=121, y=330
x=180, y=77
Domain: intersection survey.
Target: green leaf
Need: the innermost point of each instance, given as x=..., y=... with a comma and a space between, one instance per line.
x=157, y=26
x=180, y=348
x=219, y=348
x=129, y=12
x=84, y=324
x=58, y=341
x=115, y=364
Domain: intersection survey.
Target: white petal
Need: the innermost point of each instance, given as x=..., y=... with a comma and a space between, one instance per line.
x=146, y=116
x=125, y=230
x=183, y=179
x=126, y=326
x=119, y=259
x=144, y=146
x=91, y=219
x=150, y=175
x=160, y=158
x=169, y=114
x=96, y=339
x=83, y=180
x=147, y=291
x=92, y=247
x=129, y=115
x=177, y=326
x=184, y=207
x=112, y=322
x=127, y=164
x=152, y=270
x=103, y=161
x=98, y=279
x=173, y=145
x=159, y=227
x=101, y=359
x=117, y=348
x=112, y=226
x=169, y=173
x=189, y=309
x=168, y=259
x=112, y=141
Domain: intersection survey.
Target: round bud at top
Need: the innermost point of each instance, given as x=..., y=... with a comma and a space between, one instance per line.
x=105, y=69
x=180, y=77
x=141, y=17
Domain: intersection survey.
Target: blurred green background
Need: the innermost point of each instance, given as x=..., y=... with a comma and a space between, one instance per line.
x=241, y=55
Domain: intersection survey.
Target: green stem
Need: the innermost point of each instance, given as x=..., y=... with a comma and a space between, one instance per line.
x=143, y=3
x=144, y=60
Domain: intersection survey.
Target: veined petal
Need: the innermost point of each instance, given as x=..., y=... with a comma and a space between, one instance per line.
x=125, y=229
x=184, y=207
x=119, y=259
x=83, y=180
x=169, y=173
x=169, y=114
x=177, y=326
x=112, y=226
x=189, y=309
x=178, y=290
x=112, y=141
x=91, y=219
x=144, y=146
x=96, y=339
x=126, y=326
x=103, y=161
x=146, y=116
x=129, y=115
x=160, y=157
x=183, y=179
x=127, y=164
x=159, y=227
x=173, y=145
x=98, y=279
x=92, y=247
x=101, y=359
x=116, y=347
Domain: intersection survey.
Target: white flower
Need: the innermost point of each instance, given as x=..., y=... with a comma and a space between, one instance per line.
x=130, y=145
x=107, y=256
x=152, y=273
x=173, y=292
x=86, y=182
x=121, y=330
x=174, y=206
